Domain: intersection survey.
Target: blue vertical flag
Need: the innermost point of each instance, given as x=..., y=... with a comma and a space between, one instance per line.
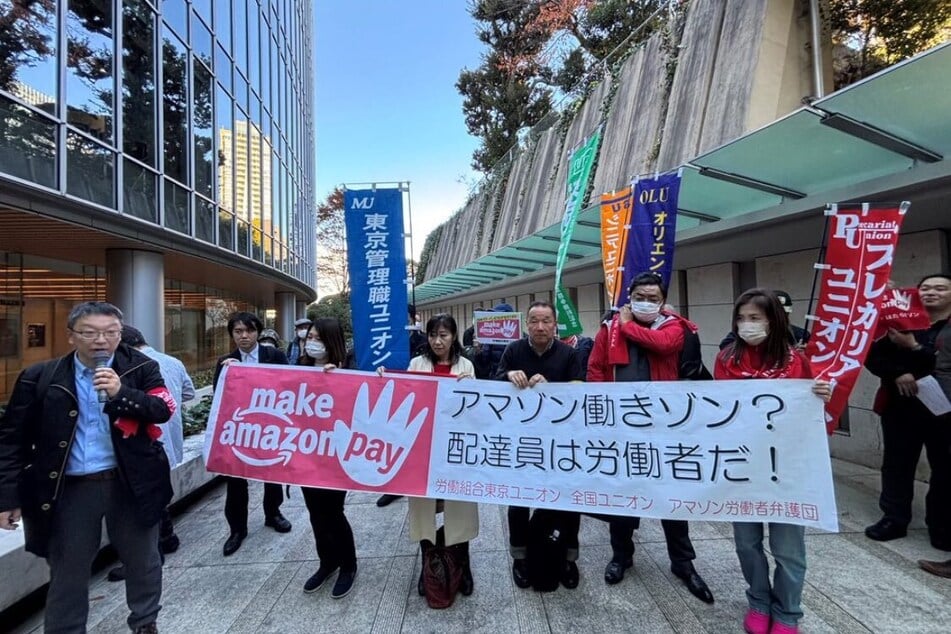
x=377, y=263
x=650, y=242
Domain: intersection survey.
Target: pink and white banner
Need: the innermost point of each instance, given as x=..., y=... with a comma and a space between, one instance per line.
x=497, y=328
x=711, y=451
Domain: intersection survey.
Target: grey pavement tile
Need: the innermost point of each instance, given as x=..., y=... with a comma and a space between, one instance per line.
x=493, y=529
x=852, y=585
x=107, y=602
x=595, y=606
x=262, y=543
x=716, y=564
x=294, y=611
x=881, y=595
x=400, y=583
x=843, y=469
x=209, y=599
x=260, y=606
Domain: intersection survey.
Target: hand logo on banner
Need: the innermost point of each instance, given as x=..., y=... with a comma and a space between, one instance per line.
x=375, y=445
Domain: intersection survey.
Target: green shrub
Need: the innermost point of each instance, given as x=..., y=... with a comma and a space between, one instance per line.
x=195, y=418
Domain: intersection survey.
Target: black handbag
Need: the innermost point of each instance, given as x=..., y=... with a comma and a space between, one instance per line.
x=547, y=551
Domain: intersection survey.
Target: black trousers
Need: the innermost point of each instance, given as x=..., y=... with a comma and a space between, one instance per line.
x=236, y=503
x=569, y=524
x=905, y=430
x=332, y=532
x=676, y=533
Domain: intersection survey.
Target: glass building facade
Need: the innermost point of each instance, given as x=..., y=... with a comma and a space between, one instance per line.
x=187, y=120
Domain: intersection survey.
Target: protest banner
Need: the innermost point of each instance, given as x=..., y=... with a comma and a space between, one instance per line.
x=377, y=264
x=651, y=239
x=579, y=170
x=615, y=224
x=491, y=327
x=855, y=274
x=716, y=451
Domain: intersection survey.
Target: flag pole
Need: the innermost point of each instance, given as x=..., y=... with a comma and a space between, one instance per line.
x=829, y=211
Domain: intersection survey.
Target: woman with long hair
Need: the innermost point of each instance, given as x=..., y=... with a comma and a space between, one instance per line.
x=442, y=356
x=325, y=346
x=761, y=350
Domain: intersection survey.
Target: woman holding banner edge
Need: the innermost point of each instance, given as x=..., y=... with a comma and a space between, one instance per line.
x=325, y=346
x=442, y=356
x=761, y=350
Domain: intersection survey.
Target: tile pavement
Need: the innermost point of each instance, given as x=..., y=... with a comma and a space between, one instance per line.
x=852, y=583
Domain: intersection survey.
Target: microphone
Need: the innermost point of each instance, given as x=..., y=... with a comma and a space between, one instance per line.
x=102, y=360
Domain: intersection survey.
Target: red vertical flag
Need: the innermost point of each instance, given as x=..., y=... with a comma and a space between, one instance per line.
x=855, y=277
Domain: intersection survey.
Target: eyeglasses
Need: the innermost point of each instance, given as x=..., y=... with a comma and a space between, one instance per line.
x=92, y=335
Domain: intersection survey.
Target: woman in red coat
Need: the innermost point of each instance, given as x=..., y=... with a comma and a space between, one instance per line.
x=761, y=350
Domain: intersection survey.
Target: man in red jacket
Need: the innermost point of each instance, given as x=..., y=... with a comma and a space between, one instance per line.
x=643, y=343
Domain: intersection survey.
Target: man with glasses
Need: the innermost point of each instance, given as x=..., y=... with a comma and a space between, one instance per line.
x=541, y=358
x=244, y=329
x=77, y=444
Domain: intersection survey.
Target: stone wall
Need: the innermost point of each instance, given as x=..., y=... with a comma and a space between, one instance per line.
x=719, y=70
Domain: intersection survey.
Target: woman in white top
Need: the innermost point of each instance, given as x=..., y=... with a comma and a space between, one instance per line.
x=442, y=355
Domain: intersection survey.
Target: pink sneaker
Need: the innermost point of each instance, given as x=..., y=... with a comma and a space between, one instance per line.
x=756, y=622
x=782, y=628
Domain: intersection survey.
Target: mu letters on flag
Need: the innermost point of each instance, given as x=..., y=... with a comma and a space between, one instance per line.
x=722, y=451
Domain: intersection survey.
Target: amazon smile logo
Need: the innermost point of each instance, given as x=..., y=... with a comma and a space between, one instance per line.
x=371, y=446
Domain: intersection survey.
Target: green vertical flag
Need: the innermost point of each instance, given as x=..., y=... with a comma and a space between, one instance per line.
x=579, y=170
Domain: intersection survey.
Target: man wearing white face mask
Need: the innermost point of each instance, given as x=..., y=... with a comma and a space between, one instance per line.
x=295, y=349
x=643, y=343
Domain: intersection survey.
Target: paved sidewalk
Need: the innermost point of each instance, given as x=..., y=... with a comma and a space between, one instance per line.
x=852, y=583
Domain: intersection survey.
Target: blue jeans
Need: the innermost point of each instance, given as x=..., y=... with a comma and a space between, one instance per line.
x=782, y=600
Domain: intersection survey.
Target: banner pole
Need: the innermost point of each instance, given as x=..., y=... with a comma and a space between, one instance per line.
x=412, y=261
x=829, y=212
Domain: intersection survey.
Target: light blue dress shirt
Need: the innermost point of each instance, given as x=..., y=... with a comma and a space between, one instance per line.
x=92, y=449
x=180, y=385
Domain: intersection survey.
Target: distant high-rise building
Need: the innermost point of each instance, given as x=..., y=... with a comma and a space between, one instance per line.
x=159, y=155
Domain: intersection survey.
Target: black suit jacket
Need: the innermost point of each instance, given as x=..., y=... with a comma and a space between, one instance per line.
x=266, y=354
x=37, y=431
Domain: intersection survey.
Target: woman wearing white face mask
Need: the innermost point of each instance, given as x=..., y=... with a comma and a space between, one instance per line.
x=325, y=346
x=761, y=350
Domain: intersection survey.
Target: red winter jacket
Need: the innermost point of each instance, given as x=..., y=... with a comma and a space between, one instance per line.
x=662, y=346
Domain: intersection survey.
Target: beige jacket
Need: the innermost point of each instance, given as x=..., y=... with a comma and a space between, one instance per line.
x=461, y=519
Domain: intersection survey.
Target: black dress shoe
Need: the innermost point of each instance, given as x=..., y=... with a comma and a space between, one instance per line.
x=886, y=530
x=941, y=541
x=614, y=573
x=467, y=585
x=694, y=582
x=344, y=584
x=386, y=499
x=233, y=543
x=116, y=574
x=316, y=580
x=279, y=523
x=169, y=544
x=570, y=575
x=520, y=573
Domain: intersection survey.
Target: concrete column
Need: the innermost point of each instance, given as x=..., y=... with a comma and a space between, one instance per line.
x=711, y=291
x=301, y=310
x=287, y=314
x=590, y=308
x=135, y=282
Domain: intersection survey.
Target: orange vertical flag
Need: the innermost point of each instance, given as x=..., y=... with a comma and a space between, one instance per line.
x=615, y=222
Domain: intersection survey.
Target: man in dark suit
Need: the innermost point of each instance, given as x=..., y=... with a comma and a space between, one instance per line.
x=244, y=329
